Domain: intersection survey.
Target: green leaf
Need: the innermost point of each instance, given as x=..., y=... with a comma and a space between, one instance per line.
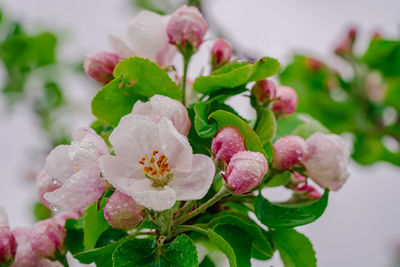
x=224, y=246
x=224, y=119
x=74, y=235
x=266, y=125
x=281, y=178
x=146, y=78
x=308, y=127
x=41, y=212
x=384, y=55
x=236, y=74
x=279, y=216
x=240, y=242
x=136, y=79
x=294, y=248
x=102, y=255
x=142, y=252
x=136, y=252
x=207, y=262
x=259, y=241
x=112, y=102
x=94, y=222
x=299, y=124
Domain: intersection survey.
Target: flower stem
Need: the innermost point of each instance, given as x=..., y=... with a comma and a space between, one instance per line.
x=222, y=193
x=186, y=62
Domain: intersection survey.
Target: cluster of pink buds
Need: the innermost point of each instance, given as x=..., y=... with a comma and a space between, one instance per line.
x=302, y=189
x=324, y=157
x=284, y=99
x=36, y=246
x=245, y=168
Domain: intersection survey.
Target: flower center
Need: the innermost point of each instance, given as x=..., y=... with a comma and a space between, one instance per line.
x=156, y=169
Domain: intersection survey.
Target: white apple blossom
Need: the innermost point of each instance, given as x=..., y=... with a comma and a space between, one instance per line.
x=146, y=37
x=154, y=163
x=161, y=106
x=327, y=160
x=76, y=168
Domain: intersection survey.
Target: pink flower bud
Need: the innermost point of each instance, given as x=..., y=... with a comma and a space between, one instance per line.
x=346, y=45
x=309, y=190
x=286, y=102
x=122, y=211
x=221, y=52
x=226, y=143
x=288, y=151
x=327, y=160
x=45, y=184
x=8, y=245
x=245, y=171
x=100, y=66
x=49, y=237
x=186, y=27
x=264, y=91
x=314, y=64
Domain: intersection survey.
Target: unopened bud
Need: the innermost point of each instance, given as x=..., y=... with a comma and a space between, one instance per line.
x=264, y=91
x=221, y=53
x=186, y=27
x=288, y=151
x=100, y=66
x=8, y=244
x=226, y=143
x=327, y=160
x=122, y=211
x=345, y=47
x=245, y=171
x=286, y=102
x=49, y=237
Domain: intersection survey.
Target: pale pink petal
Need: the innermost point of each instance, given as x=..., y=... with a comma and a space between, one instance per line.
x=160, y=106
x=175, y=146
x=86, y=147
x=49, y=263
x=166, y=55
x=79, y=191
x=135, y=136
x=45, y=184
x=194, y=184
x=25, y=256
x=59, y=164
x=153, y=198
x=121, y=175
x=147, y=34
x=120, y=46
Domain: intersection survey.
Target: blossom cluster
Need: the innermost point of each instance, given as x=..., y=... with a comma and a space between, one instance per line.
x=157, y=164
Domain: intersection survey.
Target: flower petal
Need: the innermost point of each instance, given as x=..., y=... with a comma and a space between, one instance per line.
x=87, y=146
x=59, y=164
x=121, y=175
x=147, y=34
x=156, y=199
x=195, y=184
x=135, y=136
x=175, y=146
x=79, y=191
x=119, y=46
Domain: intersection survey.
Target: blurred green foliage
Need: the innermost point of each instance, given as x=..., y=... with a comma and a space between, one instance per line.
x=30, y=64
x=365, y=103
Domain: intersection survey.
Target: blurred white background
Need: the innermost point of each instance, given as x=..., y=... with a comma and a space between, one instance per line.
x=361, y=224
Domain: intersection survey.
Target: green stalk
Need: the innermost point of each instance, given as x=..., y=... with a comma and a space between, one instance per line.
x=186, y=62
x=222, y=193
